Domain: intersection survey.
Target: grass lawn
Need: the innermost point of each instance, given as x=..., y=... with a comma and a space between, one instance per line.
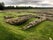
x=43, y=31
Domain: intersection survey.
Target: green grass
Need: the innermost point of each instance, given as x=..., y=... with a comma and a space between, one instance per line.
x=42, y=31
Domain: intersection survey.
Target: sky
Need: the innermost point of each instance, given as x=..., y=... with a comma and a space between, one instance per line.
x=33, y=3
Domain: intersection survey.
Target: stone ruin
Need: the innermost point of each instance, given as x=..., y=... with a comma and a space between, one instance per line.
x=17, y=21
x=8, y=17
x=24, y=18
x=29, y=15
x=33, y=23
x=40, y=19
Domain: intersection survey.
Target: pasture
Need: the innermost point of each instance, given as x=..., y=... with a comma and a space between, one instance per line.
x=43, y=31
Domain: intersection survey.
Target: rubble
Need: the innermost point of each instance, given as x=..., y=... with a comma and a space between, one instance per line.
x=29, y=15
x=33, y=23
x=18, y=20
x=50, y=18
x=8, y=17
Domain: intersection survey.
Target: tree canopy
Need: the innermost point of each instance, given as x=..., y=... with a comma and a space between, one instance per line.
x=1, y=5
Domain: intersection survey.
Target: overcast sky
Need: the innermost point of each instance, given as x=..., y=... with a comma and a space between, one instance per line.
x=34, y=3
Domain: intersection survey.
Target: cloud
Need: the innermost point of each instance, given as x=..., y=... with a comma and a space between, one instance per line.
x=29, y=2
x=14, y=2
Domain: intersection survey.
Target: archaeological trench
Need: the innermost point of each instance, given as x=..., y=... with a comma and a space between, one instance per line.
x=24, y=18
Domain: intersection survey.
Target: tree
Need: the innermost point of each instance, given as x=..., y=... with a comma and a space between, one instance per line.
x=1, y=6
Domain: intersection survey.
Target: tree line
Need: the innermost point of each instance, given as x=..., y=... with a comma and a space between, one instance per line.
x=2, y=7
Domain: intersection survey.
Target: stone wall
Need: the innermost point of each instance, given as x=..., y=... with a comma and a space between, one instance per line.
x=33, y=23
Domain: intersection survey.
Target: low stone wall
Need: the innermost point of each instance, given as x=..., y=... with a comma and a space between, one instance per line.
x=33, y=23
x=16, y=21
x=50, y=18
x=8, y=17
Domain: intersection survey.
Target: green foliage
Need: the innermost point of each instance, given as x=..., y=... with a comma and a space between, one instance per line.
x=1, y=6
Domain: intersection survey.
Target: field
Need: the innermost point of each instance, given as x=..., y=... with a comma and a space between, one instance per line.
x=43, y=31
